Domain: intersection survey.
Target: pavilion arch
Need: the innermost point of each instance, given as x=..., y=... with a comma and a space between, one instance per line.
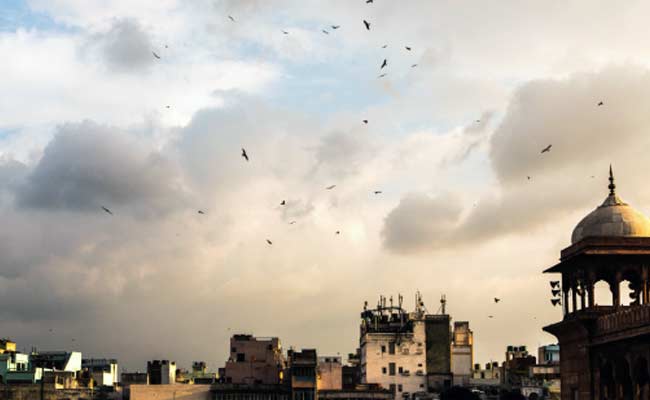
x=603, y=295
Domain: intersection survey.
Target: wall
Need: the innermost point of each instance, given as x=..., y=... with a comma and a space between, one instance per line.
x=32, y=392
x=409, y=354
x=330, y=375
x=170, y=392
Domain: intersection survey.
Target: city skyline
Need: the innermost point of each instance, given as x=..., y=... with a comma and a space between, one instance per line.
x=142, y=108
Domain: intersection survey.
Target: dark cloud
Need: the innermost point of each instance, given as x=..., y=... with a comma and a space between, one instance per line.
x=125, y=46
x=421, y=222
x=87, y=166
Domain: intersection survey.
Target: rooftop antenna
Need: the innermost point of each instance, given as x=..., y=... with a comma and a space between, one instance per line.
x=443, y=304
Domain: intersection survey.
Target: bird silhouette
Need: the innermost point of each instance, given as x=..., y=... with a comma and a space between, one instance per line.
x=413, y=65
x=325, y=32
x=231, y=18
x=381, y=76
x=555, y=302
x=384, y=46
x=528, y=177
x=338, y=232
x=285, y=32
x=269, y=242
x=168, y=106
x=201, y=212
x=367, y=24
x=243, y=154
x=365, y=121
x=547, y=149
x=490, y=316
x=385, y=63
x=368, y=1
x=107, y=210
x=155, y=55
x=330, y=187
x=496, y=300
x=554, y=284
x=407, y=48
x=283, y=203
x=600, y=103
x=292, y=222
x=377, y=192
x=336, y=26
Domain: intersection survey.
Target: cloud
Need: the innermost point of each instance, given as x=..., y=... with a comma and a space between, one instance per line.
x=87, y=166
x=125, y=47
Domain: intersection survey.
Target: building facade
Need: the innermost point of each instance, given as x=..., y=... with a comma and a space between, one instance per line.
x=103, y=371
x=605, y=340
x=161, y=372
x=330, y=373
x=254, y=361
x=407, y=353
x=462, y=353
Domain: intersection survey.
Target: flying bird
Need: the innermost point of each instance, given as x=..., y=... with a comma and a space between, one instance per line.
x=555, y=302
x=285, y=32
x=413, y=65
x=367, y=24
x=528, y=177
x=496, y=300
x=107, y=210
x=365, y=121
x=201, y=212
x=547, y=149
x=490, y=316
x=377, y=192
x=325, y=32
x=368, y=1
x=384, y=46
x=556, y=292
x=407, y=48
x=554, y=284
x=292, y=222
x=336, y=26
x=231, y=18
x=269, y=242
x=155, y=55
x=243, y=154
x=168, y=106
x=283, y=203
x=330, y=187
x=338, y=232
x=381, y=76
x=600, y=103
x=385, y=63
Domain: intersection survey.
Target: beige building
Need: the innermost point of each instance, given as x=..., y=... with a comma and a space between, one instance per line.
x=7, y=345
x=254, y=361
x=462, y=353
x=330, y=373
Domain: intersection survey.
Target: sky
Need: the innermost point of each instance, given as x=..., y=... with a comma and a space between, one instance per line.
x=469, y=208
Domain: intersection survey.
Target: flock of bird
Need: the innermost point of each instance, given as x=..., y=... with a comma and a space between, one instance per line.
x=384, y=64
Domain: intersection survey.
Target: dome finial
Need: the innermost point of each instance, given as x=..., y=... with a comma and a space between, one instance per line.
x=612, y=186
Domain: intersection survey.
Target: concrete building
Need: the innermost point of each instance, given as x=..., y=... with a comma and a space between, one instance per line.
x=462, y=353
x=7, y=345
x=488, y=376
x=549, y=354
x=254, y=360
x=517, y=366
x=16, y=368
x=103, y=371
x=604, y=336
x=161, y=372
x=134, y=378
x=407, y=353
x=303, y=371
x=67, y=361
x=330, y=373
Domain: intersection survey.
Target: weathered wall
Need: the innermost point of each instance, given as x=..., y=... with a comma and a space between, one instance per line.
x=169, y=392
x=33, y=392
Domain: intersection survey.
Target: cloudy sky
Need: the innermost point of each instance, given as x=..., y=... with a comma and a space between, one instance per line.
x=89, y=118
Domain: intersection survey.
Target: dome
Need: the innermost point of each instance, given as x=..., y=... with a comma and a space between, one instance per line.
x=612, y=218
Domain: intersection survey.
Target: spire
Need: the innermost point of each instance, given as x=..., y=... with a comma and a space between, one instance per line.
x=611, y=186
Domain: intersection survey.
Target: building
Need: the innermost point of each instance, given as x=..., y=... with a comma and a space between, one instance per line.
x=352, y=372
x=259, y=391
x=330, y=373
x=361, y=392
x=16, y=368
x=407, y=353
x=254, y=360
x=66, y=361
x=303, y=370
x=549, y=354
x=7, y=346
x=134, y=378
x=103, y=371
x=161, y=372
x=604, y=338
x=488, y=376
x=516, y=368
x=462, y=353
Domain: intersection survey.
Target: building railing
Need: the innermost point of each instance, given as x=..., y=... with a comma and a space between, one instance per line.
x=626, y=318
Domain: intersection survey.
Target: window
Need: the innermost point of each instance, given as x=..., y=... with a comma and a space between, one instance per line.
x=400, y=370
x=383, y=348
x=399, y=387
x=391, y=368
x=233, y=349
x=241, y=357
x=383, y=370
x=391, y=348
x=421, y=385
x=392, y=388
